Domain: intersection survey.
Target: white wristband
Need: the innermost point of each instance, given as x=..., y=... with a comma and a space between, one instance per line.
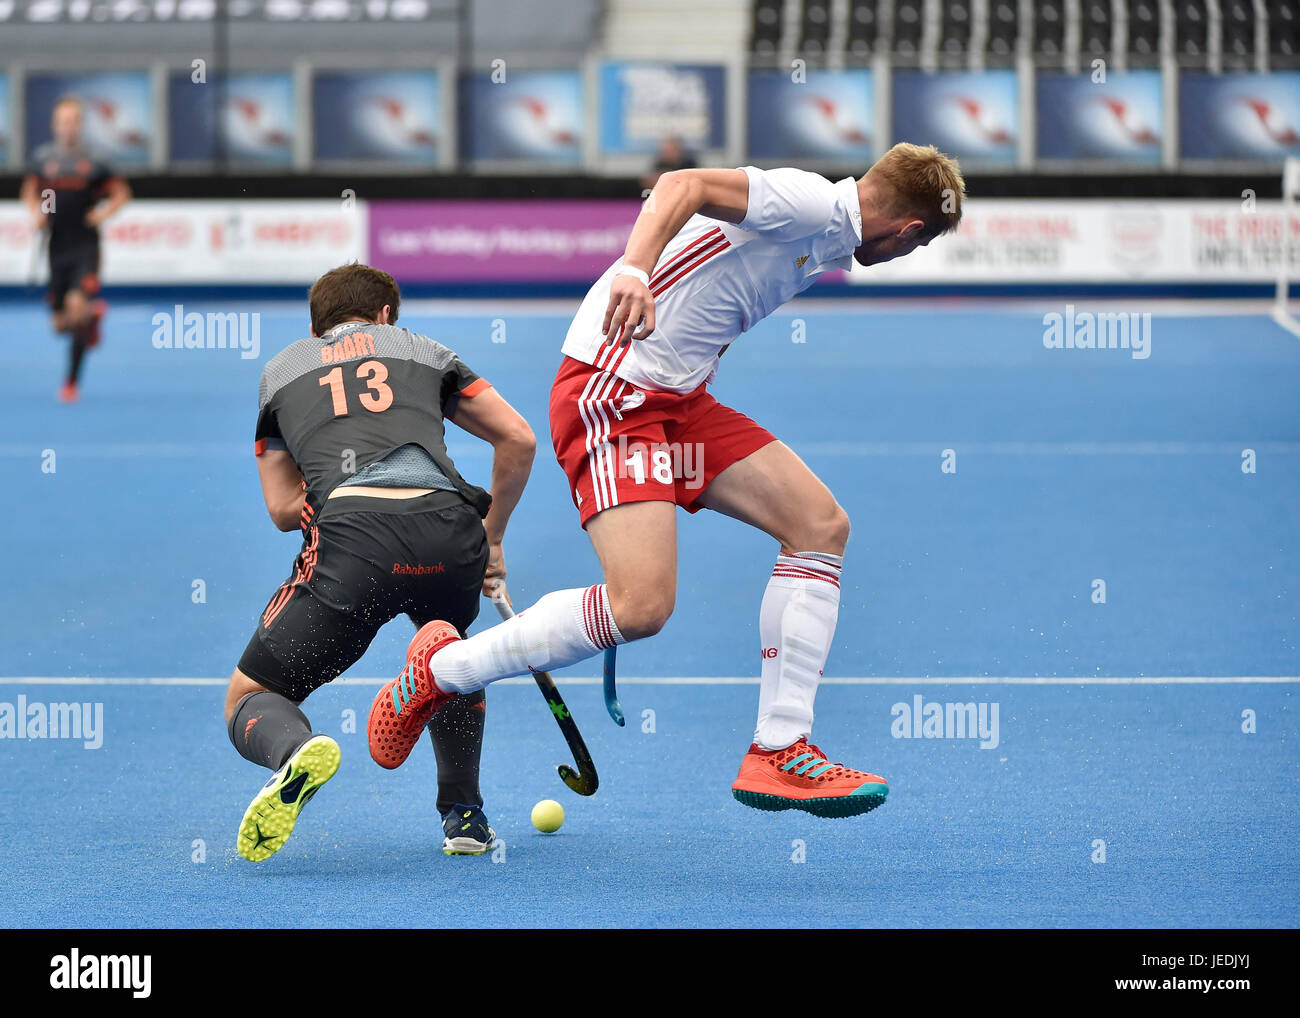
x=631, y=270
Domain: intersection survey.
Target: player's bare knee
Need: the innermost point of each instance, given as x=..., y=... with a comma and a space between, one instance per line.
x=642, y=614
x=825, y=529
x=75, y=307
x=240, y=686
x=838, y=530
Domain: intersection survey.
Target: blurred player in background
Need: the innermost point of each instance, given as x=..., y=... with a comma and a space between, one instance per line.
x=350, y=446
x=712, y=252
x=671, y=156
x=69, y=192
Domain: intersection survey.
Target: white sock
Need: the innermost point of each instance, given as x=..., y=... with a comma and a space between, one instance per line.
x=796, y=624
x=561, y=629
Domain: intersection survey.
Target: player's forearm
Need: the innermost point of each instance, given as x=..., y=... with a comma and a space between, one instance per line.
x=676, y=197
x=29, y=195
x=718, y=194
x=116, y=198
x=288, y=515
x=284, y=492
x=512, y=461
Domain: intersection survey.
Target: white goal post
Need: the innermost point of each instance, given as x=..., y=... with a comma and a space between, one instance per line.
x=1287, y=262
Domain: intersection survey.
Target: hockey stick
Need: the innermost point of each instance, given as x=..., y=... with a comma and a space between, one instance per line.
x=584, y=781
x=611, y=690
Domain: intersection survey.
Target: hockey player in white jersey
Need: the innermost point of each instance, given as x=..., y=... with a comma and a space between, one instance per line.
x=712, y=252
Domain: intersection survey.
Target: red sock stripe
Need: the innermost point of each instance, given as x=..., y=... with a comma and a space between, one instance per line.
x=598, y=609
x=809, y=556
x=607, y=617
x=587, y=615
x=804, y=574
x=602, y=620
x=813, y=565
x=782, y=566
x=595, y=611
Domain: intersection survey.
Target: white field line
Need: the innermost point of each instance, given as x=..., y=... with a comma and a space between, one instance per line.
x=1287, y=320
x=696, y=680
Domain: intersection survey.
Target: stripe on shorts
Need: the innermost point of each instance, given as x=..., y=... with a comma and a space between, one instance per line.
x=302, y=574
x=600, y=455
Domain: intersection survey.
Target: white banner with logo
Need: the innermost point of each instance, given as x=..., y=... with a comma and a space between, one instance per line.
x=204, y=242
x=1032, y=241
x=1000, y=243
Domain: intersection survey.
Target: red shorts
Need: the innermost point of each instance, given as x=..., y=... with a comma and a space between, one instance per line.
x=619, y=443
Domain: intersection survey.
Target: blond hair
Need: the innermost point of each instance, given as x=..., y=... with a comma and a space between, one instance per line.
x=919, y=181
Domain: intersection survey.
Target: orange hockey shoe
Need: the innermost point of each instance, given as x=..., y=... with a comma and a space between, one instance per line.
x=800, y=777
x=404, y=706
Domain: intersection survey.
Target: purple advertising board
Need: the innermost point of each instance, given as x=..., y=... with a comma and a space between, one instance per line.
x=498, y=241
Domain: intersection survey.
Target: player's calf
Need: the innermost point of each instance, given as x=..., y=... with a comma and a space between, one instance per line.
x=75, y=313
x=269, y=730
x=263, y=726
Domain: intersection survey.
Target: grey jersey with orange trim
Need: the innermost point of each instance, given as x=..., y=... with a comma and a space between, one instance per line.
x=342, y=401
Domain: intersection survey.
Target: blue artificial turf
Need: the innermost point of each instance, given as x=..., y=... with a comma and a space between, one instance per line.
x=1072, y=466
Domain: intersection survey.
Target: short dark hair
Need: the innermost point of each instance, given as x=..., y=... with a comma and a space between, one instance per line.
x=352, y=291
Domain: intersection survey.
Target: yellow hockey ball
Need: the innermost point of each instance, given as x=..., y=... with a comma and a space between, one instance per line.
x=548, y=816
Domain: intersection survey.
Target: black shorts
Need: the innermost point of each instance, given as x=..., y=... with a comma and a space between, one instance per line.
x=72, y=267
x=364, y=562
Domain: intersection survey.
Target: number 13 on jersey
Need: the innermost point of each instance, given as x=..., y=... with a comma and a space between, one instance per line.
x=379, y=397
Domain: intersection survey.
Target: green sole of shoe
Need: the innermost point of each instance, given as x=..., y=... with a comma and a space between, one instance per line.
x=840, y=806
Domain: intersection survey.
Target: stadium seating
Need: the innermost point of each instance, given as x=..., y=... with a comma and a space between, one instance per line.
x=1220, y=35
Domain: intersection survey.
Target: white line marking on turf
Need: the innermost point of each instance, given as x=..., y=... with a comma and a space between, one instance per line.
x=1285, y=319
x=706, y=680
x=1043, y=448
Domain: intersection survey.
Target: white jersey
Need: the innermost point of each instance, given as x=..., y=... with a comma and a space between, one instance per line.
x=715, y=280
